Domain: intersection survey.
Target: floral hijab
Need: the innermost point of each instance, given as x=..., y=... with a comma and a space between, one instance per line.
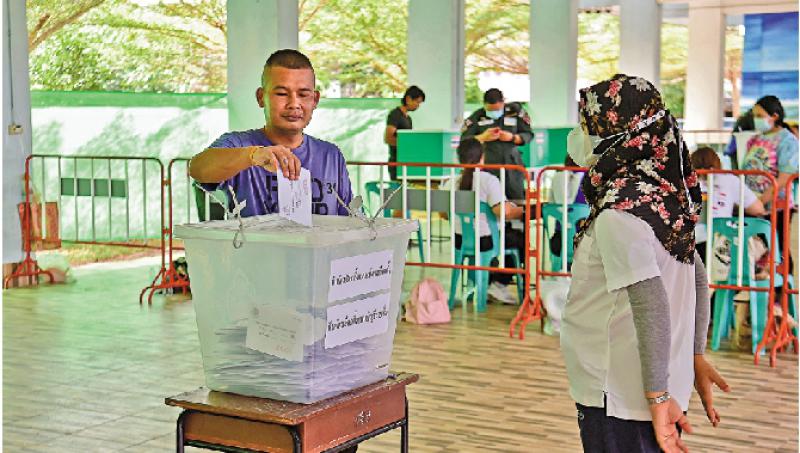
x=644, y=166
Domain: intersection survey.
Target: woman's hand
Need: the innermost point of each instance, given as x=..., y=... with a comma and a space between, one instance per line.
x=276, y=157
x=665, y=417
x=704, y=376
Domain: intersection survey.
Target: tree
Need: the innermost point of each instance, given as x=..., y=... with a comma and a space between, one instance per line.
x=598, y=46
x=359, y=45
x=46, y=18
x=119, y=45
x=674, y=57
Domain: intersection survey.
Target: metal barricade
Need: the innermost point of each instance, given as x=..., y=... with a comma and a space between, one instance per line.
x=781, y=335
x=449, y=171
x=539, y=272
x=742, y=246
x=169, y=278
x=91, y=193
x=369, y=167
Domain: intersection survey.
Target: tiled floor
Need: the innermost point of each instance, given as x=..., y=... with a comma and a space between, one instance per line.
x=86, y=369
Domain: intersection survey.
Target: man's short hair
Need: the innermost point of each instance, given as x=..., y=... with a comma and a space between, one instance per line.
x=492, y=96
x=289, y=59
x=413, y=92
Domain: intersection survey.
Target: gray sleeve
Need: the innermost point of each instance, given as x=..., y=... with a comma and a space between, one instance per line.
x=650, y=309
x=702, y=310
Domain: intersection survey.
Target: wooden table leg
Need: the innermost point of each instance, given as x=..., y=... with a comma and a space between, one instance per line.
x=179, y=438
x=404, y=432
x=298, y=444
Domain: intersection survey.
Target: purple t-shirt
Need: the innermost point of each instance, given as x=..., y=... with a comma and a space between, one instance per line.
x=259, y=187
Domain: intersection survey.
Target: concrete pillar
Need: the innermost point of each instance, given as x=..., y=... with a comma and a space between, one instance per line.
x=704, y=76
x=640, y=39
x=17, y=112
x=436, y=61
x=256, y=28
x=552, y=62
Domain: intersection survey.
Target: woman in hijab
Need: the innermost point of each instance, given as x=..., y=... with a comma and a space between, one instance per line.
x=636, y=319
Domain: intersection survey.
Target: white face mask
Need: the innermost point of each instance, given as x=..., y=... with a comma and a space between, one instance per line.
x=762, y=125
x=580, y=147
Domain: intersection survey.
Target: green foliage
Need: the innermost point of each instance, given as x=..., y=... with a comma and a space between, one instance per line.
x=361, y=45
x=598, y=46
x=118, y=45
x=180, y=46
x=496, y=37
x=673, y=92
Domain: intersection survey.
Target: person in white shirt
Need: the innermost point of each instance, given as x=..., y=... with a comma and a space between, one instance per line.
x=635, y=323
x=727, y=188
x=490, y=191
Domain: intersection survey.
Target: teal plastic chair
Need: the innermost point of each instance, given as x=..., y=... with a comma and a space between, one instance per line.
x=575, y=213
x=724, y=314
x=373, y=188
x=480, y=279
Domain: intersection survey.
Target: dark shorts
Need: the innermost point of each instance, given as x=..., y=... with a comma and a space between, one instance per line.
x=603, y=434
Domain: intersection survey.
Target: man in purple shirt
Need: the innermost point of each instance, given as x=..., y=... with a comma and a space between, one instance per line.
x=247, y=160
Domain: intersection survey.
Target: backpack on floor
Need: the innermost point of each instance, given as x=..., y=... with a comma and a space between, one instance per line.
x=428, y=303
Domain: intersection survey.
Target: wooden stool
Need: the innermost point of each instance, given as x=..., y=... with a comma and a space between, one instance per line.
x=236, y=423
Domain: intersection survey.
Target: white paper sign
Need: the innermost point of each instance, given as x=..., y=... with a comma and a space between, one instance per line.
x=360, y=274
x=294, y=197
x=277, y=332
x=357, y=320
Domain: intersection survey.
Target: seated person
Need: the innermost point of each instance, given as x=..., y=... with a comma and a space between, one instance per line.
x=471, y=151
x=726, y=195
x=574, y=195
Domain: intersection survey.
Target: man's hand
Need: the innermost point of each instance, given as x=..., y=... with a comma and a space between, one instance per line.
x=665, y=416
x=505, y=136
x=489, y=135
x=704, y=376
x=270, y=157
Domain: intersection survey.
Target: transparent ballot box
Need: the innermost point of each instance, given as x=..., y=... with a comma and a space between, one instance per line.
x=296, y=313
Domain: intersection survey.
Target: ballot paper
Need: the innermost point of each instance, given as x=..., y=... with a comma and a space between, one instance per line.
x=321, y=373
x=294, y=197
x=278, y=332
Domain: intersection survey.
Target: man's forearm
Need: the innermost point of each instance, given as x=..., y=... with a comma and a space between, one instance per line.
x=219, y=164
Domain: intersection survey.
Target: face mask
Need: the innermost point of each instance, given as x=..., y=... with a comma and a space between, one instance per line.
x=762, y=124
x=580, y=147
x=494, y=114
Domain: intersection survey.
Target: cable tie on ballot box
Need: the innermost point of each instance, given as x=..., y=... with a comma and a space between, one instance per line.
x=236, y=212
x=356, y=209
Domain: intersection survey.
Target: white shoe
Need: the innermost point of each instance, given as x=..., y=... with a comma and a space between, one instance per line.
x=501, y=293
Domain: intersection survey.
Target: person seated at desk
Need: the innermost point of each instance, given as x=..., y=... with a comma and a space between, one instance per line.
x=471, y=151
x=573, y=195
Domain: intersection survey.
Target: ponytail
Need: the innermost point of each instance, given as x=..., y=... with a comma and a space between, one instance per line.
x=470, y=151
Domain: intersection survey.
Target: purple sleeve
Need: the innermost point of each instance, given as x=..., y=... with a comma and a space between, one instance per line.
x=227, y=140
x=345, y=189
